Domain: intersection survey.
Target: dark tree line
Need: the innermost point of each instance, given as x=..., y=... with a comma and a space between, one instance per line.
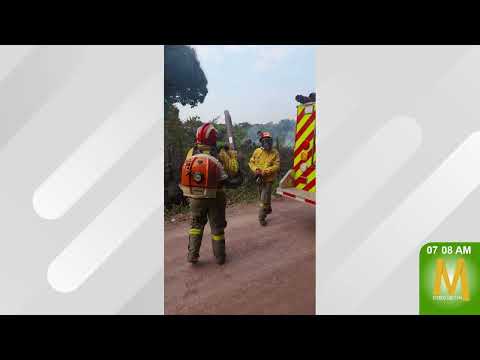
x=179, y=138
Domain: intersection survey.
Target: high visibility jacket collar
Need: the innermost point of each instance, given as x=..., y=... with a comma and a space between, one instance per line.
x=206, y=149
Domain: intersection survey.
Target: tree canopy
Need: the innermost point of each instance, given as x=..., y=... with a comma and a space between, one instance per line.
x=185, y=81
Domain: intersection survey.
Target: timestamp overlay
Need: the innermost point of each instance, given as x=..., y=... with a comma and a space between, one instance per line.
x=448, y=281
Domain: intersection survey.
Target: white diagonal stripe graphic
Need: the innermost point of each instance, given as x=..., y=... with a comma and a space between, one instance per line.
x=403, y=231
x=368, y=170
x=91, y=248
x=100, y=151
x=10, y=56
x=338, y=97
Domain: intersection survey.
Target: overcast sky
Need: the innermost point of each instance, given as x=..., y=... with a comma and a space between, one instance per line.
x=257, y=84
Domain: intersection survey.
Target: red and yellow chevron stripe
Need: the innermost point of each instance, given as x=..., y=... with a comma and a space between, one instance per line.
x=304, y=149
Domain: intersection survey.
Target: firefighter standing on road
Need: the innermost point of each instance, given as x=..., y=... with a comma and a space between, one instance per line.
x=212, y=208
x=265, y=164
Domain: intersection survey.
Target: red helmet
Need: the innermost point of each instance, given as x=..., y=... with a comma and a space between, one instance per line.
x=206, y=134
x=264, y=134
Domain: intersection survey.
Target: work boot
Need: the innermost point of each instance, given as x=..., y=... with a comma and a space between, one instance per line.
x=262, y=215
x=194, y=244
x=218, y=247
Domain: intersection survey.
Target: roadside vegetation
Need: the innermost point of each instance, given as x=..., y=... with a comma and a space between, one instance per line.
x=186, y=84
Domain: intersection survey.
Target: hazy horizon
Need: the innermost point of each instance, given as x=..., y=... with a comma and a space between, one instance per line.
x=256, y=84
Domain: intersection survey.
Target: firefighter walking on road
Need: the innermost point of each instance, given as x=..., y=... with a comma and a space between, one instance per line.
x=265, y=164
x=204, y=174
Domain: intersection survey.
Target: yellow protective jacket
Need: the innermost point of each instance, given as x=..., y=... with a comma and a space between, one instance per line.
x=227, y=158
x=267, y=161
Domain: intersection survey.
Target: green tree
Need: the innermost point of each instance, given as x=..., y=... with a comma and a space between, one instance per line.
x=185, y=81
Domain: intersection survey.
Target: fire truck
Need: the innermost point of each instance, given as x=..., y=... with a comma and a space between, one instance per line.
x=299, y=182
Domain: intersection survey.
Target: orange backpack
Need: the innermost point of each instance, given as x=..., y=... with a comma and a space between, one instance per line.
x=200, y=177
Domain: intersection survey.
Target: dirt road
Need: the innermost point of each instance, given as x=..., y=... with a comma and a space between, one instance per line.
x=269, y=270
